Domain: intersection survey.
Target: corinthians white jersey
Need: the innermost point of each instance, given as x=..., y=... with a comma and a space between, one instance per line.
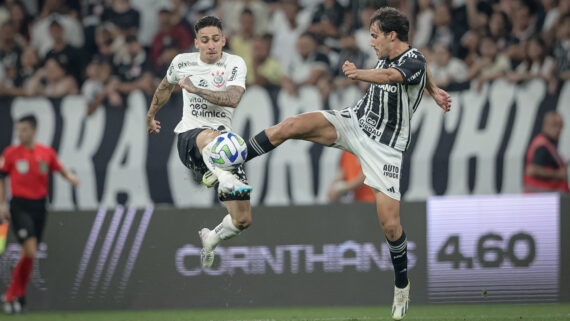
x=197, y=111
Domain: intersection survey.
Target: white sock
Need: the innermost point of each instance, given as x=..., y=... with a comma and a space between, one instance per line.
x=224, y=231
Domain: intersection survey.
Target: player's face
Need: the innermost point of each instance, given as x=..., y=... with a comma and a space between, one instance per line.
x=210, y=42
x=25, y=132
x=380, y=41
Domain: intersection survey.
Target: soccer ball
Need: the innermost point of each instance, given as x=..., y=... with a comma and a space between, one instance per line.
x=229, y=151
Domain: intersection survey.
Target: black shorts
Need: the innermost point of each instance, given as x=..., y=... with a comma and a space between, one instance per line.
x=192, y=159
x=28, y=218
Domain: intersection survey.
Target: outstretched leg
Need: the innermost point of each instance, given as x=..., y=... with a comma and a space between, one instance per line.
x=313, y=127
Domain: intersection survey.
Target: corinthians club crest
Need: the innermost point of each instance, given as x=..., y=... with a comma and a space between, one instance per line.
x=218, y=79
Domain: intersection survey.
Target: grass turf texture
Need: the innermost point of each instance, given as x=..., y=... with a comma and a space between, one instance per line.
x=528, y=312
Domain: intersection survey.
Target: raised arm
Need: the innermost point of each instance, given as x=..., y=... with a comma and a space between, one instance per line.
x=160, y=97
x=392, y=75
x=375, y=76
x=228, y=98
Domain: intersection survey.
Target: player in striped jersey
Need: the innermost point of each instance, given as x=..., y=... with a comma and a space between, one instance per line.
x=376, y=129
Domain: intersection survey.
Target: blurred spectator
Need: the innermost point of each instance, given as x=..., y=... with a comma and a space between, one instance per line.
x=349, y=51
x=350, y=180
x=424, y=23
x=70, y=56
x=123, y=16
x=41, y=39
x=327, y=18
x=550, y=14
x=195, y=9
x=446, y=69
x=288, y=23
x=62, y=7
x=106, y=43
x=306, y=66
x=241, y=42
x=99, y=86
x=4, y=13
x=51, y=81
x=264, y=70
x=490, y=65
x=30, y=62
x=500, y=29
x=230, y=11
x=13, y=84
x=169, y=35
x=10, y=54
x=148, y=24
x=362, y=36
x=21, y=22
x=562, y=49
x=545, y=169
x=523, y=29
x=442, y=32
x=133, y=68
x=537, y=64
x=91, y=12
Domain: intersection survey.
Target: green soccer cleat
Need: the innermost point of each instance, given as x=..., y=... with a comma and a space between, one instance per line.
x=209, y=179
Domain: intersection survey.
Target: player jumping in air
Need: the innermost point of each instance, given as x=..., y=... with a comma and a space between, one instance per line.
x=213, y=83
x=28, y=165
x=376, y=130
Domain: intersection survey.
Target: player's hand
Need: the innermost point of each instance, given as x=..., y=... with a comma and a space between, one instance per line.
x=152, y=126
x=74, y=180
x=187, y=84
x=443, y=99
x=350, y=70
x=4, y=212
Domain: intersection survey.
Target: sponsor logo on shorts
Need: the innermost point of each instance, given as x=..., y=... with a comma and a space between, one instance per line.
x=369, y=129
x=391, y=171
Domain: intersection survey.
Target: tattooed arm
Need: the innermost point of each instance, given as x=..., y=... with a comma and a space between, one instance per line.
x=228, y=98
x=161, y=96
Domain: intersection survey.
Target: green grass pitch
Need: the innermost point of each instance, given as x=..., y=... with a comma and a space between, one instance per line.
x=528, y=312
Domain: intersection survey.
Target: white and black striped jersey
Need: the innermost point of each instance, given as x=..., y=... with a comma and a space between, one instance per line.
x=385, y=112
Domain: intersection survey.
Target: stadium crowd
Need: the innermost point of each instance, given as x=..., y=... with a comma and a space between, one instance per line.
x=104, y=49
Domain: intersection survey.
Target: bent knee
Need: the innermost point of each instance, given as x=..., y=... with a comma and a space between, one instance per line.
x=391, y=228
x=243, y=223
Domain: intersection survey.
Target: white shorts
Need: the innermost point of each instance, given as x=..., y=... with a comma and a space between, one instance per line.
x=381, y=164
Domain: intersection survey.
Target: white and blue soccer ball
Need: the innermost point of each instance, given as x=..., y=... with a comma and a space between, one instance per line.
x=229, y=151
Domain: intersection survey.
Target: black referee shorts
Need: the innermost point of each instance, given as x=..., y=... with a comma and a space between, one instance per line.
x=191, y=158
x=28, y=218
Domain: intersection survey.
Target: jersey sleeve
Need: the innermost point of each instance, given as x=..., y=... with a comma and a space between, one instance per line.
x=412, y=67
x=173, y=74
x=5, y=163
x=54, y=164
x=237, y=72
